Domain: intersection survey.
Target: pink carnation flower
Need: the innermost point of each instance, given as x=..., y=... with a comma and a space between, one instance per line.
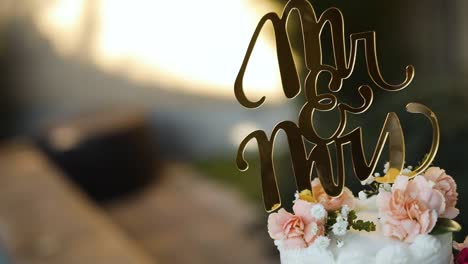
x=329, y=202
x=298, y=230
x=447, y=186
x=461, y=246
x=411, y=208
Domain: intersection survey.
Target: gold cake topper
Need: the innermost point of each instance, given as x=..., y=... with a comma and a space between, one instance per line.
x=304, y=162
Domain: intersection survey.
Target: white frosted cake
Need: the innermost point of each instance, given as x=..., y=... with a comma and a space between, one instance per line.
x=406, y=222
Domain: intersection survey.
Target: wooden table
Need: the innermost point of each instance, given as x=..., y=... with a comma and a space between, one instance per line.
x=187, y=218
x=182, y=218
x=44, y=219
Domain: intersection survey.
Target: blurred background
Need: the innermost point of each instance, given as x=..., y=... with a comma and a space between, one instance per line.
x=119, y=126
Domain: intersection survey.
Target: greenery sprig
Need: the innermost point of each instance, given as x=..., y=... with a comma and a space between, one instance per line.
x=358, y=224
x=372, y=189
x=353, y=222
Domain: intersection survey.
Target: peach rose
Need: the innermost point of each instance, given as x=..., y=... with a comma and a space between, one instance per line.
x=461, y=246
x=411, y=208
x=297, y=230
x=447, y=186
x=329, y=202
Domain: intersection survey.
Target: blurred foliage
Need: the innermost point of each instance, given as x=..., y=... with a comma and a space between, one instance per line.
x=224, y=170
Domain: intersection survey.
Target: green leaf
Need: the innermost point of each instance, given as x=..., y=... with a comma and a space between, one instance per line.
x=445, y=225
x=352, y=216
x=360, y=225
x=331, y=220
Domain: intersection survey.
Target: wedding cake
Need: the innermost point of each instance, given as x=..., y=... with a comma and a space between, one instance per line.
x=400, y=223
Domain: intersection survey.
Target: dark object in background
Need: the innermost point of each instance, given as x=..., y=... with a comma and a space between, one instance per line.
x=108, y=154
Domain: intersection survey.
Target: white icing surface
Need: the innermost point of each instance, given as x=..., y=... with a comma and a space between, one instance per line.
x=373, y=247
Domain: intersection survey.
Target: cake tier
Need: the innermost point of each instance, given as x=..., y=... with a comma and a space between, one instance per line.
x=373, y=247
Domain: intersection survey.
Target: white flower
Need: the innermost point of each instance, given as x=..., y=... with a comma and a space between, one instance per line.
x=410, y=167
x=322, y=242
x=386, y=167
x=376, y=174
x=345, y=211
x=296, y=195
x=339, y=229
x=341, y=226
x=314, y=228
x=339, y=244
x=362, y=195
x=369, y=180
x=385, y=187
x=318, y=211
x=340, y=218
x=406, y=171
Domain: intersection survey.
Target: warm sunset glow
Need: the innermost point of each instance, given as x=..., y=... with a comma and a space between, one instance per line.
x=194, y=46
x=61, y=21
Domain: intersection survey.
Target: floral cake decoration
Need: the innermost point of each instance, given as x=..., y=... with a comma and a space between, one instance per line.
x=410, y=207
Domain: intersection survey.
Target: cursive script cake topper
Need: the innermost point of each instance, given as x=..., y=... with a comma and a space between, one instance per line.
x=319, y=157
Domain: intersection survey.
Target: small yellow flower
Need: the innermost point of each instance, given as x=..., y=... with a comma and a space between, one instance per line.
x=389, y=177
x=306, y=195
